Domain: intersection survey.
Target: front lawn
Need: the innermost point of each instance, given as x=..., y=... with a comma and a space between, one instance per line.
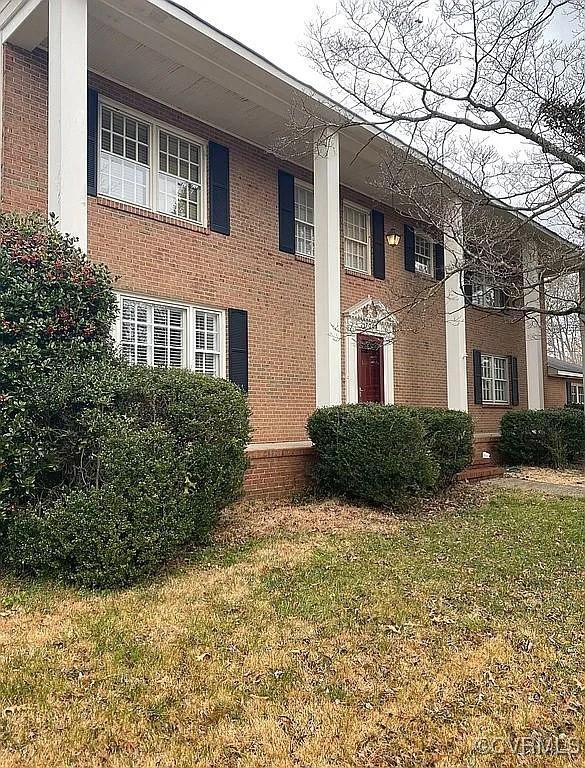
x=338, y=637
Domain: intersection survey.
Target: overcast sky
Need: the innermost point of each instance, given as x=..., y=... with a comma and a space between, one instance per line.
x=274, y=29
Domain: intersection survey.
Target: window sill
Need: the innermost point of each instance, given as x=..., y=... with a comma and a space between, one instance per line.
x=146, y=213
x=498, y=405
x=357, y=273
x=305, y=259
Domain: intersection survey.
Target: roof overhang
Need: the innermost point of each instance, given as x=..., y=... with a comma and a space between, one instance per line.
x=159, y=49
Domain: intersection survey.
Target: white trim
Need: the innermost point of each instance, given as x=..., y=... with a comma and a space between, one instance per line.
x=154, y=127
x=327, y=267
x=567, y=374
x=493, y=379
x=455, y=319
x=358, y=321
x=190, y=310
x=309, y=188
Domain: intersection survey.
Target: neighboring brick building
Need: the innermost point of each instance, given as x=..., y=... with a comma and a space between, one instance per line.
x=213, y=237
x=563, y=384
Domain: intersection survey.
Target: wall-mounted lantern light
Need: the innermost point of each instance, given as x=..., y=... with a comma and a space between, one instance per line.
x=393, y=238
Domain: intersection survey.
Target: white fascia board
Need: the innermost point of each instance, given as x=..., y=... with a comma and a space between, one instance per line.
x=221, y=38
x=14, y=13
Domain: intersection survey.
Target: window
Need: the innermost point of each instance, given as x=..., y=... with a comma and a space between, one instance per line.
x=124, y=157
x=152, y=334
x=577, y=393
x=356, y=236
x=423, y=254
x=146, y=165
x=157, y=334
x=179, y=177
x=494, y=379
x=485, y=295
x=206, y=359
x=304, y=221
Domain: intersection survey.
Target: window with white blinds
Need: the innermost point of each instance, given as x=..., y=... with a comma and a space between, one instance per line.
x=170, y=336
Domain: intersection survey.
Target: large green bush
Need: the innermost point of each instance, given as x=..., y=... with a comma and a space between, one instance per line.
x=147, y=458
x=56, y=312
x=105, y=468
x=553, y=438
x=376, y=453
x=449, y=436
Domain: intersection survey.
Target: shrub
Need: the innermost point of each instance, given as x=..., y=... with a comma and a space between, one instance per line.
x=449, y=438
x=127, y=519
x=375, y=453
x=56, y=312
x=148, y=458
x=552, y=438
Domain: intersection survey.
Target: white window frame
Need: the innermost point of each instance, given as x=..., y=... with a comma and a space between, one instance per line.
x=190, y=310
x=420, y=234
x=577, y=393
x=480, y=288
x=155, y=126
x=492, y=379
x=309, y=188
x=368, y=243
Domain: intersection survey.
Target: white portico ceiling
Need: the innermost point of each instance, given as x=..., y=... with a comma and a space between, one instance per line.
x=156, y=48
x=167, y=53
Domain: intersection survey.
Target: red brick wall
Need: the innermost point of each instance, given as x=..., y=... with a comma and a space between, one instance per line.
x=160, y=257
x=494, y=333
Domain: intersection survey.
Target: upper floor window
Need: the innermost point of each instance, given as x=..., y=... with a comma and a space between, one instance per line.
x=304, y=221
x=168, y=335
x=144, y=164
x=356, y=238
x=577, y=393
x=124, y=157
x=495, y=380
x=423, y=254
x=484, y=294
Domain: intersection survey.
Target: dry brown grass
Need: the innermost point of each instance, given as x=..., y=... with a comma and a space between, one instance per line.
x=549, y=475
x=329, y=636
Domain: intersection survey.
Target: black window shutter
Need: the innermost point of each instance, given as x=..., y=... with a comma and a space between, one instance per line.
x=513, y=374
x=92, y=141
x=219, y=188
x=467, y=288
x=439, y=261
x=286, y=212
x=503, y=298
x=569, y=393
x=408, y=248
x=238, y=347
x=378, y=250
x=477, y=391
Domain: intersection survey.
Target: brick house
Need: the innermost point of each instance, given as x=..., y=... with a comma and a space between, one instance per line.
x=563, y=384
x=150, y=134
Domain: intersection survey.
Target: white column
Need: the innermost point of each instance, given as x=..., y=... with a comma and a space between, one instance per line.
x=68, y=116
x=456, y=340
x=533, y=327
x=582, y=300
x=327, y=268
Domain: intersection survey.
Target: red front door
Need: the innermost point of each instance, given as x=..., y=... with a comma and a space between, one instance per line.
x=370, y=369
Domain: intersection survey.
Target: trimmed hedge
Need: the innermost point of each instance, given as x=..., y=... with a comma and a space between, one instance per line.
x=142, y=461
x=552, y=438
x=370, y=452
x=449, y=438
x=386, y=454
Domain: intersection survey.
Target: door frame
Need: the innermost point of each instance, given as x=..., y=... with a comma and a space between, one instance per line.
x=381, y=353
x=369, y=318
